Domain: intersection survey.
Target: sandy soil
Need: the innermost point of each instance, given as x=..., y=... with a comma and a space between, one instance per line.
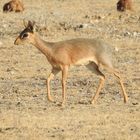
x=25, y=113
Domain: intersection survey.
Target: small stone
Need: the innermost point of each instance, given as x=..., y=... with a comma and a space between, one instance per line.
x=1, y=43
x=116, y=49
x=53, y=136
x=8, y=70
x=127, y=33
x=12, y=72
x=135, y=103
x=18, y=103
x=34, y=95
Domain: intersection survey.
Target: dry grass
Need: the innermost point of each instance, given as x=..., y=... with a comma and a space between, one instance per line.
x=25, y=112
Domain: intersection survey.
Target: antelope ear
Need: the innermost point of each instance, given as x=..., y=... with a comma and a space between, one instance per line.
x=31, y=25
x=25, y=23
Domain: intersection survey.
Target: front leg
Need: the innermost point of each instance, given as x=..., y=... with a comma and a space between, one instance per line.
x=64, y=78
x=51, y=76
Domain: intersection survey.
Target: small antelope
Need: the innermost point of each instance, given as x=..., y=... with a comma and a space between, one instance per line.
x=92, y=53
x=123, y=5
x=13, y=5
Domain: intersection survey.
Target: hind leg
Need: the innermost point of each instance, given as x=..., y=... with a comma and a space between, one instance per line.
x=94, y=68
x=116, y=73
x=106, y=62
x=122, y=86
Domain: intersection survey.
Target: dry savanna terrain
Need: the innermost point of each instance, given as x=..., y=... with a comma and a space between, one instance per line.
x=26, y=114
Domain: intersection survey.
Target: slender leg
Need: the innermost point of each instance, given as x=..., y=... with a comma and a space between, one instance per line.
x=116, y=73
x=98, y=90
x=64, y=78
x=95, y=68
x=122, y=86
x=51, y=76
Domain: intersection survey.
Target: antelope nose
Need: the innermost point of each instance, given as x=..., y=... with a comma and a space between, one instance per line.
x=16, y=42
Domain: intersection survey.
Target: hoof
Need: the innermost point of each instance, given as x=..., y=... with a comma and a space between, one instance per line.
x=93, y=102
x=125, y=100
x=50, y=99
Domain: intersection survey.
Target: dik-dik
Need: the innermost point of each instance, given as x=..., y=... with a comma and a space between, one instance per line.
x=123, y=5
x=13, y=5
x=92, y=53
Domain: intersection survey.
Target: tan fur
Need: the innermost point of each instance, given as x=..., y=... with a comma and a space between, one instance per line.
x=61, y=55
x=13, y=5
x=123, y=5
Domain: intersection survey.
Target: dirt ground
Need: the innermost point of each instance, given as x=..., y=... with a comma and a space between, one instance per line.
x=25, y=113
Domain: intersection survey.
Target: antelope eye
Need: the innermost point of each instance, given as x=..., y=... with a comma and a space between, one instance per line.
x=24, y=35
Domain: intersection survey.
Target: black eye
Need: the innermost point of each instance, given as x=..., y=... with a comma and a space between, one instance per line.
x=24, y=35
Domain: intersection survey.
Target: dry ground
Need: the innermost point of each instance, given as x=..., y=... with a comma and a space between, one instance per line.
x=25, y=113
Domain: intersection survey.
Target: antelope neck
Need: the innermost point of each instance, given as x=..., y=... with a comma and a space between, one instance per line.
x=43, y=46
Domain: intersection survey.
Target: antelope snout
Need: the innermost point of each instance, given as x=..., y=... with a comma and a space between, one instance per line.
x=17, y=41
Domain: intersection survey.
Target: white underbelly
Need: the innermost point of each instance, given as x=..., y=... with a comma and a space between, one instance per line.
x=86, y=61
